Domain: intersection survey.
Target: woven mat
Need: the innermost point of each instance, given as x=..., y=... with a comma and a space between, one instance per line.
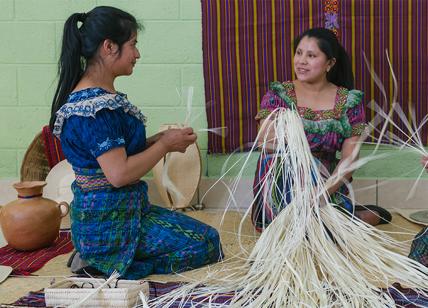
x=27, y=262
x=15, y=287
x=403, y=297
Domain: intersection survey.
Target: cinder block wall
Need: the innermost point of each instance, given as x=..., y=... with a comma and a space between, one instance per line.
x=171, y=48
x=30, y=39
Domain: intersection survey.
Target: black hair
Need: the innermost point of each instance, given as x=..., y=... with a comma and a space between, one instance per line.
x=80, y=46
x=341, y=72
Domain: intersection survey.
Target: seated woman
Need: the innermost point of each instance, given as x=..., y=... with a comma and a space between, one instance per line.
x=333, y=118
x=103, y=136
x=419, y=249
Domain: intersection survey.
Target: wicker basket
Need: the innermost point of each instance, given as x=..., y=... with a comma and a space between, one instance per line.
x=120, y=293
x=35, y=165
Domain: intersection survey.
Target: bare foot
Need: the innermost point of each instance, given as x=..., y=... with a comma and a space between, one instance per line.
x=372, y=218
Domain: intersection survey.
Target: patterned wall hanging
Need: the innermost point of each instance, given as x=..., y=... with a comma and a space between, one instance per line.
x=248, y=43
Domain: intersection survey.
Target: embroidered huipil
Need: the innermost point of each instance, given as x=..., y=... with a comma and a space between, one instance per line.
x=326, y=130
x=117, y=228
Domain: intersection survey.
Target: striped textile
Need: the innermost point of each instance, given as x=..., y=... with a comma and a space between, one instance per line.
x=407, y=298
x=27, y=262
x=401, y=27
x=246, y=44
x=403, y=297
x=53, y=150
x=157, y=289
x=91, y=179
x=32, y=299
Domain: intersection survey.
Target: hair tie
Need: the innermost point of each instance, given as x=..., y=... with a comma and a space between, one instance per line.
x=82, y=17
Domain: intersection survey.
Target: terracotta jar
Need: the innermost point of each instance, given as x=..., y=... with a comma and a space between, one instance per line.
x=31, y=222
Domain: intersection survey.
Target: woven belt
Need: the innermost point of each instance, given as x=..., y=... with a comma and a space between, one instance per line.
x=91, y=179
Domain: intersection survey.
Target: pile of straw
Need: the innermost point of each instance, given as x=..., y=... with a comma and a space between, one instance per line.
x=311, y=255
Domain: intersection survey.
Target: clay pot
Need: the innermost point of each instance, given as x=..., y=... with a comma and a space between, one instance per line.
x=31, y=222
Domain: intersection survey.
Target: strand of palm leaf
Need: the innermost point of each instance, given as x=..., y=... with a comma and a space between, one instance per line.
x=411, y=129
x=413, y=141
x=311, y=255
x=166, y=181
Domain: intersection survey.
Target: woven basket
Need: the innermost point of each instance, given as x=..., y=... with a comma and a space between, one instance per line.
x=120, y=293
x=35, y=165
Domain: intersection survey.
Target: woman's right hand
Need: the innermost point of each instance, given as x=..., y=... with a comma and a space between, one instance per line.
x=424, y=162
x=177, y=139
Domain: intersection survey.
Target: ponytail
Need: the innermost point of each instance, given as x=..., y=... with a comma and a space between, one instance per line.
x=341, y=73
x=70, y=65
x=80, y=45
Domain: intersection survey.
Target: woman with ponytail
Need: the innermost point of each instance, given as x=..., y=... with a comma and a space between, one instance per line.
x=114, y=227
x=333, y=117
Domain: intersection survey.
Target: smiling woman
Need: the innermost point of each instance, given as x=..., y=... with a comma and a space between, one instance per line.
x=333, y=117
x=103, y=136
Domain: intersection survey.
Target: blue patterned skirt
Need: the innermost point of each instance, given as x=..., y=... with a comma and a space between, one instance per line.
x=118, y=229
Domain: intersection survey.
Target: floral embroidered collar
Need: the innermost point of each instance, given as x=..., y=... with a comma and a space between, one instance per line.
x=87, y=102
x=316, y=115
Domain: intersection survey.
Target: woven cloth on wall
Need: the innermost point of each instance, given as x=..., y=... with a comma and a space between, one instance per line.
x=246, y=44
x=401, y=27
x=27, y=262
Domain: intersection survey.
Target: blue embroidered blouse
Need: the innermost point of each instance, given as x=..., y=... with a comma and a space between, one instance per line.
x=95, y=121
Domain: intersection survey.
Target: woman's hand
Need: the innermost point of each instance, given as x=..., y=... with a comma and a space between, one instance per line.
x=121, y=169
x=424, y=162
x=153, y=139
x=267, y=136
x=177, y=139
